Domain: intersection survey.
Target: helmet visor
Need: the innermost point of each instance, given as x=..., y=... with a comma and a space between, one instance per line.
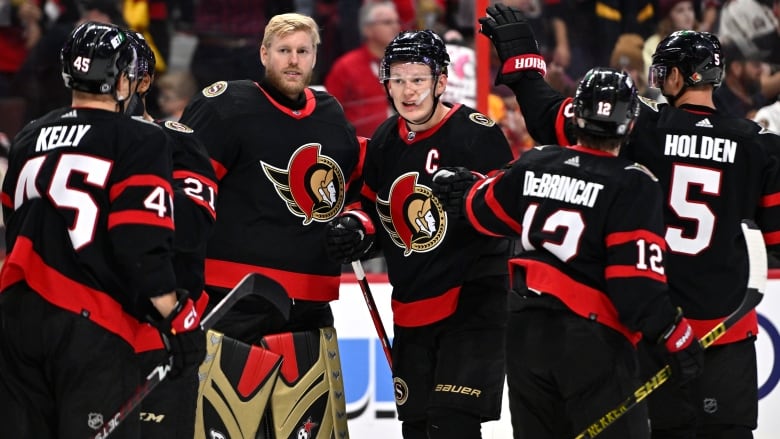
x=656, y=75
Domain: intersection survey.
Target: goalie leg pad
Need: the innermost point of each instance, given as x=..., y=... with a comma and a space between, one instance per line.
x=308, y=399
x=236, y=383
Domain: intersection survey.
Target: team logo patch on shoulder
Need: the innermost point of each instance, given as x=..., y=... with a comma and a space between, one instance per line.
x=652, y=103
x=215, y=89
x=639, y=167
x=413, y=217
x=312, y=186
x=481, y=119
x=177, y=126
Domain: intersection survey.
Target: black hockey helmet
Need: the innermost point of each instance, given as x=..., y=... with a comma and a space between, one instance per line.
x=94, y=56
x=605, y=103
x=422, y=46
x=146, y=59
x=698, y=55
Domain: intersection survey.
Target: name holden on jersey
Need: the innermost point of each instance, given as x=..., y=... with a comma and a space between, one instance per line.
x=710, y=148
x=562, y=188
x=59, y=136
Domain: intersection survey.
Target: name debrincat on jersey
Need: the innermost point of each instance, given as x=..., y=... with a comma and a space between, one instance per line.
x=562, y=188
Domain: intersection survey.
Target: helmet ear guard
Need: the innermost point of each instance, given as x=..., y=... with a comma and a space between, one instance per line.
x=606, y=103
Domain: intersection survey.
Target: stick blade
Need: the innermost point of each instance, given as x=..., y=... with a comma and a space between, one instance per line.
x=252, y=284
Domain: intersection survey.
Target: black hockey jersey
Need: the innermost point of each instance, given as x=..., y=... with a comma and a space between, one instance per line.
x=590, y=226
x=429, y=254
x=194, y=203
x=282, y=175
x=87, y=206
x=714, y=171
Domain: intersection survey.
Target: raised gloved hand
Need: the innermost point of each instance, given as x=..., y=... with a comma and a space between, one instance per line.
x=182, y=335
x=349, y=236
x=686, y=356
x=515, y=43
x=450, y=186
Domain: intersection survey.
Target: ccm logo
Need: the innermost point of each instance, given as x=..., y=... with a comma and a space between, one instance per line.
x=189, y=320
x=458, y=389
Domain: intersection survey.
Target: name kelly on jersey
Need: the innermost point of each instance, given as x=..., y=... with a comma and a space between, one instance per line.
x=59, y=136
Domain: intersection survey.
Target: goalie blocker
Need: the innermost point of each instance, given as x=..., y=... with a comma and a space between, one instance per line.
x=288, y=387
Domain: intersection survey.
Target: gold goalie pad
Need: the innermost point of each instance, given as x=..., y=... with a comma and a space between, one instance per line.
x=308, y=399
x=236, y=382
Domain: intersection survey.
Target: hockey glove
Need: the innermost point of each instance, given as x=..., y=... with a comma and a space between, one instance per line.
x=182, y=336
x=349, y=236
x=686, y=356
x=515, y=43
x=450, y=186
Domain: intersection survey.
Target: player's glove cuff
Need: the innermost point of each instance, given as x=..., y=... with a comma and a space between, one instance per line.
x=349, y=237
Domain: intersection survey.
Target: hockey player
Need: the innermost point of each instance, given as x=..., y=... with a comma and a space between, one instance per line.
x=169, y=411
x=714, y=171
x=90, y=230
x=591, y=278
x=284, y=155
x=449, y=283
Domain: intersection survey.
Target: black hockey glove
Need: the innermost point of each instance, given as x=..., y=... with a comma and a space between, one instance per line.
x=450, y=186
x=349, y=236
x=182, y=335
x=515, y=43
x=686, y=356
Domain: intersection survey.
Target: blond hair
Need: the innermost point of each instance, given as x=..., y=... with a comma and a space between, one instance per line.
x=285, y=24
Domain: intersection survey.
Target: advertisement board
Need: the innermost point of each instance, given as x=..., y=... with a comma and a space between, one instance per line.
x=368, y=383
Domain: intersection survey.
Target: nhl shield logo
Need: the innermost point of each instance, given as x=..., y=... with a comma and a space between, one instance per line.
x=95, y=421
x=710, y=405
x=412, y=215
x=312, y=186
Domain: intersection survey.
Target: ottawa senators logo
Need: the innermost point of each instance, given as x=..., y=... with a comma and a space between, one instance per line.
x=312, y=185
x=412, y=216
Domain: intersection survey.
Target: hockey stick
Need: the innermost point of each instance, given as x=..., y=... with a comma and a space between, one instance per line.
x=246, y=286
x=757, y=274
x=360, y=274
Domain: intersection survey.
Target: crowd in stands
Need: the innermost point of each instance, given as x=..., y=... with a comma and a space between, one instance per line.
x=574, y=35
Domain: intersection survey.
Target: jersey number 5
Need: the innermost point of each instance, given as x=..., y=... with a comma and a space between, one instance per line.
x=684, y=177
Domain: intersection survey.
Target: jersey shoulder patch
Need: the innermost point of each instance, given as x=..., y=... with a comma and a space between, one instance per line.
x=215, y=89
x=481, y=119
x=652, y=103
x=640, y=167
x=177, y=126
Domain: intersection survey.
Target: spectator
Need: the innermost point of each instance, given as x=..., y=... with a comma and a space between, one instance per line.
x=174, y=91
x=353, y=80
x=40, y=77
x=581, y=28
x=150, y=18
x=753, y=26
x=745, y=88
x=627, y=56
x=673, y=15
x=19, y=31
x=227, y=33
x=769, y=117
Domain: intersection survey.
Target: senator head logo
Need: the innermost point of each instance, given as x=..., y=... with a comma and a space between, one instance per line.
x=312, y=186
x=412, y=215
